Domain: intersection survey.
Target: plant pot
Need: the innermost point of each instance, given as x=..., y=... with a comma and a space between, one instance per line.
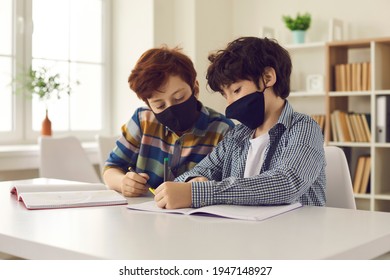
x=298, y=36
x=46, y=126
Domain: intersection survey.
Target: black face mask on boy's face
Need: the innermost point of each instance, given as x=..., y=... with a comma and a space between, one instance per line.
x=180, y=117
x=249, y=110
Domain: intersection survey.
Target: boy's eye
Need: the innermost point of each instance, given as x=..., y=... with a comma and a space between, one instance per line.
x=237, y=90
x=160, y=106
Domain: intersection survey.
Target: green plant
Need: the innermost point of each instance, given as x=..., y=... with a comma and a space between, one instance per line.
x=301, y=22
x=42, y=83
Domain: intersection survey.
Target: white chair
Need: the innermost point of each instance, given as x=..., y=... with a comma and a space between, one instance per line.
x=105, y=145
x=339, y=190
x=64, y=158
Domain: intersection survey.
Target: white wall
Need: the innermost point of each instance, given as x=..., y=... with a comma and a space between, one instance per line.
x=213, y=31
x=132, y=26
x=201, y=26
x=363, y=19
x=139, y=25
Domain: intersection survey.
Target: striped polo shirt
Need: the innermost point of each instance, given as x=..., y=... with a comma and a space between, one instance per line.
x=145, y=142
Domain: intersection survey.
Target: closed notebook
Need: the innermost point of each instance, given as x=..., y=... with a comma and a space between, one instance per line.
x=251, y=213
x=52, y=200
x=55, y=187
x=51, y=193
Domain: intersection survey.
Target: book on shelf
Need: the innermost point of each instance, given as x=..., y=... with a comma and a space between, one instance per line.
x=51, y=194
x=344, y=126
x=320, y=119
x=358, y=77
x=366, y=176
x=361, y=180
x=350, y=128
x=340, y=126
x=349, y=73
x=359, y=122
x=352, y=84
x=251, y=213
x=366, y=119
x=365, y=76
x=360, y=128
x=333, y=127
x=357, y=181
x=383, y=119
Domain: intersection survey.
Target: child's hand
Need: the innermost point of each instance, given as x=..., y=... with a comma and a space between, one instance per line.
x=198, y=179
x=134, y=184
x=173, y=195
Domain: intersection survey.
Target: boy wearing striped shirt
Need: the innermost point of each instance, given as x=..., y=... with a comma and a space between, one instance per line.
x=275, y=156
x=174, y=126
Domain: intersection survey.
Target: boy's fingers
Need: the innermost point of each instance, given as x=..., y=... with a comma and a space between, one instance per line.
x=140, y=178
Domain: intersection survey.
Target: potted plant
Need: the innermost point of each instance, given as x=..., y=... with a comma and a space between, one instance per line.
x=46, y=86
x=298, y=26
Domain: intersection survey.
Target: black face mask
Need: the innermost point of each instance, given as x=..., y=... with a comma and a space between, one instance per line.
x=249, y=110
x=180, y=117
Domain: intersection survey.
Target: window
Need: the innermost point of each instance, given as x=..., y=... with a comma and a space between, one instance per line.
x=67, y=37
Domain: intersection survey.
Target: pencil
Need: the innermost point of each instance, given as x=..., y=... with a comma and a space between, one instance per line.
x=166, y=169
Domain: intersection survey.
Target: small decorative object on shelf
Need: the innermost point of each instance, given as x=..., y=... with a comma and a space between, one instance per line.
x=40, y=82
x=267, y=32
x=315, y=83
x=336, y=32
x=298, y=26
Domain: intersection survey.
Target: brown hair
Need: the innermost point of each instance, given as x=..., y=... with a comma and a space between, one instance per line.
x=155, y=66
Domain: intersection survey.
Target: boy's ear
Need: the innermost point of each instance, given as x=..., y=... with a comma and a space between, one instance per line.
x=269, y=76
x=196, y=89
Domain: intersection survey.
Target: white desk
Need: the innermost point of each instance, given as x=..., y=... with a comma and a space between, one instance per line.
x=114, y=232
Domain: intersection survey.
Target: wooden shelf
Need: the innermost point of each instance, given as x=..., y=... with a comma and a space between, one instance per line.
x=323, y=57
x=304, y=46
x=307, y=94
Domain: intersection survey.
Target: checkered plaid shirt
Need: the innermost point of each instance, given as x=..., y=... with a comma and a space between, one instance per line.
x=293, y=168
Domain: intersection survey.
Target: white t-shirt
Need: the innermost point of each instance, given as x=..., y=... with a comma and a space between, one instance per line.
x=255, y=157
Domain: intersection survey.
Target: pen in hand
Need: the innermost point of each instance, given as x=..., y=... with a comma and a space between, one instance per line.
x=130, y=169
x=166, y=170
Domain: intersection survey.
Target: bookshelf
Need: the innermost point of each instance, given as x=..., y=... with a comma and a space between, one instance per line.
x=358, y=95
x=355, y=97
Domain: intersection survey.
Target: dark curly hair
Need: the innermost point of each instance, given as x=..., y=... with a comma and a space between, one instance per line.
x=245, y=59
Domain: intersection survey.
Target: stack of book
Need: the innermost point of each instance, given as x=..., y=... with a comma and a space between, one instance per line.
x=352, y=76
x=361, y=180
x=350, y=127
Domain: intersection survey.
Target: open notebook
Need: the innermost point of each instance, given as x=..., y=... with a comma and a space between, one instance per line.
x=63, y=194
x=252, y=213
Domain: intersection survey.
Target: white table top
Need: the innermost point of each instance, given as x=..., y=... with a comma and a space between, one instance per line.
x=115, y=232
